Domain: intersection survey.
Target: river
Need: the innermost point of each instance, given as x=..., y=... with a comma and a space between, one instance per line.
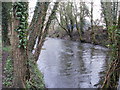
x=69, y=64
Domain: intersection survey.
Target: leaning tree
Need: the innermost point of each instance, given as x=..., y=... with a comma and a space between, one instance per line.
x=24, y=37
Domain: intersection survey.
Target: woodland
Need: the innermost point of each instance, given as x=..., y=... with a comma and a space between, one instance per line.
x=64, y=20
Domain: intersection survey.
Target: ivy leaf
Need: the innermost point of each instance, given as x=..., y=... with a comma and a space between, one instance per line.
x=19, y=30
x=19, y=46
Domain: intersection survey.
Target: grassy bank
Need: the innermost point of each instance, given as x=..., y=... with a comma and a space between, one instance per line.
x=8, y=73
x=36, y=77
x=7, y=65
x=36, y=80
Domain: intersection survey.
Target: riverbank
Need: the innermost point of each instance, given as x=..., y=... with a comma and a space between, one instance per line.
x=7, y=67
x=101, y=36
x=36, y=80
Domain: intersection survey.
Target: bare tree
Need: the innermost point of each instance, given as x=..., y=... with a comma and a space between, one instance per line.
x=92, y=27
x=37, y=23
x=109, y=10
x=66, y=18
x=44, y=31
x=70, y=17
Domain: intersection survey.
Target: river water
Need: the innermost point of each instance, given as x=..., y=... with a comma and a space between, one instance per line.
x=68, y=64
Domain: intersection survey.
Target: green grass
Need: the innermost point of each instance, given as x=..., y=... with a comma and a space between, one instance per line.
x=7, y=48
x=8, y=71
x=36, y=81
x=8, y=68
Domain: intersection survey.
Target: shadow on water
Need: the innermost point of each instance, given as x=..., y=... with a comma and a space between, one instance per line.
x=68, y=64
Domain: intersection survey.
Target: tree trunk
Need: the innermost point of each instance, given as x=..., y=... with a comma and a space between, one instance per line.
x=5, y=23
x=20, y=57
x=92, y=32
x=81, y=16
x=110, y=10
x=37, y=24
x=41, y=37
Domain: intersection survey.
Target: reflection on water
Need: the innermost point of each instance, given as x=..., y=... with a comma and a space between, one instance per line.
x=67, y=64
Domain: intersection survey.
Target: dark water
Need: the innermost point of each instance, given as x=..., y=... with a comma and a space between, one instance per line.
x=68, y=64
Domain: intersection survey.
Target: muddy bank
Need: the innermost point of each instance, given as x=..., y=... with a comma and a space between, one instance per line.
x=101, y=36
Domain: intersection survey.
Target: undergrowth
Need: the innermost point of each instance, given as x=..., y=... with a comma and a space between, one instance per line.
x=8, y=72
x=36, y=78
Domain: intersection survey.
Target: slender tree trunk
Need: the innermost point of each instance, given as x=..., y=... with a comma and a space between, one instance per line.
x=92, y=32
x=110, y=10
x=36, y=26
x=41, y=37
x=5, y=23
x=81, y=16
x=78, y=29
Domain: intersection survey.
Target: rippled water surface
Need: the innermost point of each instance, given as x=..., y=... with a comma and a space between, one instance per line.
x=68, y=64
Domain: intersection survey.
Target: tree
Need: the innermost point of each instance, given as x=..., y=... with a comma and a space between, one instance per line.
x=66, y=18
x=44, y=31
x=109, y=10
x=37, y=23
x=6, y=7
x=83, y=13
x=21, y=49
x=92, y=27
x=69, y=15
x=112, y=76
